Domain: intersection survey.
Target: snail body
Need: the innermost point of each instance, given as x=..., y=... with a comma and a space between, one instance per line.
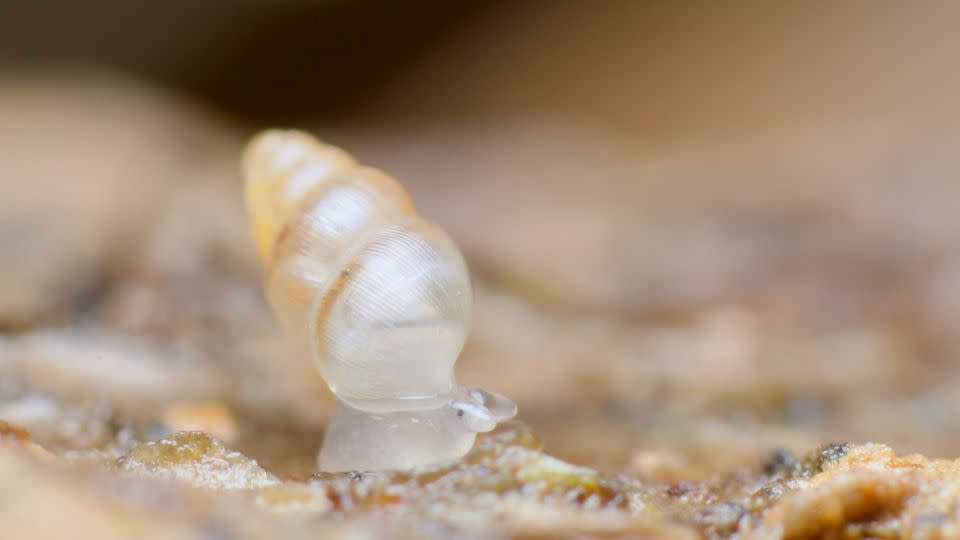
x=378, y=296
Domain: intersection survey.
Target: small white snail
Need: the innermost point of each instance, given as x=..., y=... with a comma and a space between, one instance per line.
x=379, y=296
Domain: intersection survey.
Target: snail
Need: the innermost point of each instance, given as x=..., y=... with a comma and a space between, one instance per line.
x=379, y=297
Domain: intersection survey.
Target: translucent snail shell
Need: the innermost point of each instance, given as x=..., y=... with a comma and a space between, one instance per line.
x=379, y=296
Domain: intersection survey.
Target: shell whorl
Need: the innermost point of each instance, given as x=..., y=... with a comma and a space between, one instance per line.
x=379, y=296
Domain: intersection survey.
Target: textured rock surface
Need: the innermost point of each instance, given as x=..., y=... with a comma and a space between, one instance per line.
x=197, y=458
x=506, y=485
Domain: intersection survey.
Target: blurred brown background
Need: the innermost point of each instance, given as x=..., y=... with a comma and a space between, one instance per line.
x=697, y=231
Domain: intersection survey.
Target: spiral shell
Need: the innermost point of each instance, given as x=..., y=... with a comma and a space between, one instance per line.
x=379, y=296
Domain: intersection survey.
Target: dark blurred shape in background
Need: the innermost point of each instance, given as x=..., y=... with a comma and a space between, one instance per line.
x=260, y=60
x=668, y=66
